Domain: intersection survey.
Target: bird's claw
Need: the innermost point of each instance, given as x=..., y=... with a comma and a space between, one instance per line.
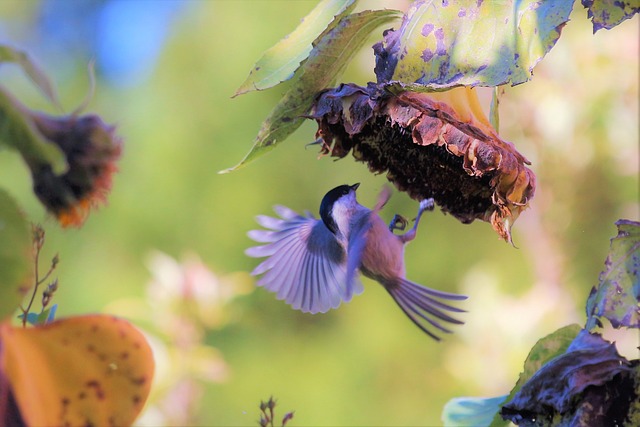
x=427, y=204
x=398, y=223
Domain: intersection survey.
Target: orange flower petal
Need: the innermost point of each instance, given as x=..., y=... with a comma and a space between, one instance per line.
x=86, y=370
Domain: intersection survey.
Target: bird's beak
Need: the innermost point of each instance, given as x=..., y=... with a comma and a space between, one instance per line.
x=355, y=186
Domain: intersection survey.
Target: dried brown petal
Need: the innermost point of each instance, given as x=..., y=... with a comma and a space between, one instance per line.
x=429, y=145
x=92, y=150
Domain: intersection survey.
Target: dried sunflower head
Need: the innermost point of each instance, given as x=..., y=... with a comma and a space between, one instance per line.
x=429, y=145
x=91, y=149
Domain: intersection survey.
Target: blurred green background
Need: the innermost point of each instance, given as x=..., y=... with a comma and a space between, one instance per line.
x=166, y=72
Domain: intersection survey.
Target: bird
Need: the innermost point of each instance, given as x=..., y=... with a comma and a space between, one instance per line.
x=313, y=264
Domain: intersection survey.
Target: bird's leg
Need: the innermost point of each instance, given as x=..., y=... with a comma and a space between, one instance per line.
x=398, y=223
x=425, y=205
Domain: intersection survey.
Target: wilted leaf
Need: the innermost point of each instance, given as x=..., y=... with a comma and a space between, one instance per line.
x=18, y=131
x=87, y=370
x=609, y=13
x=16, y=259
x=617, y=296
x=437, y=145
x=282, y=60
x=333, y=51
x=542, y=352
x=471, y=411
x=39, y=78
x=442, y=44
x=590, y=383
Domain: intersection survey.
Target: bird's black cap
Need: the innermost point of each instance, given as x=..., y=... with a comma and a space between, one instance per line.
x=326, y=206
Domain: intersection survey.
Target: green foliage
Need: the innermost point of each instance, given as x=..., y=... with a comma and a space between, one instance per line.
x=331, y=53
x=616, y=296
x=279, y=63
x=609, y=13
x=438, y=45
x=31, y=69
x=165, y=197
x=18, y=132
x=15, y=255
x=561, y=367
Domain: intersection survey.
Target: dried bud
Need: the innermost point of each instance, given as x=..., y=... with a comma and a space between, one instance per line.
x=288, y=416
x=91, y=149
x=38, y=236
x=271, y=403
x=47, y=294
x=429, y=148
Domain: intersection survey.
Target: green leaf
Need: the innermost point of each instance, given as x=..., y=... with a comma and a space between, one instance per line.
x=471, y=411
x=609, y=13
x=15, y=256
x=18, y=132
x=464, y=43
x=616, y=296
x=334, y=50
x=547, y=348
x=279, y=63
x=37, y=76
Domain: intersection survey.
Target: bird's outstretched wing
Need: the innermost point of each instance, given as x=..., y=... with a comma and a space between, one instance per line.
x=306, y=266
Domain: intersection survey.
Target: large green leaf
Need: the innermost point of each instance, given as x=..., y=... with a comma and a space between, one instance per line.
x=469, y=43
x=616, y=296
x=37, y=76
x=281, y=61
x=18, y=132
x=333, y=51
x=609, y=13
x=15, y=255
x=547, y=348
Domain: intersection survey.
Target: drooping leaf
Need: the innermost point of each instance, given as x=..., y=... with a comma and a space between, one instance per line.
x=546, y=349
x=86, y=370
x=609, y=13
x=471, y=411
x=446, y=44
x=590, y=383
x=333, y=51
x=17, y=131
x=617, y=296
x=15, y=256
x=279, y=63
x=37, y=76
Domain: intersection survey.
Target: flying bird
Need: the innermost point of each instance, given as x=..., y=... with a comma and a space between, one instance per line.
x=313, y=264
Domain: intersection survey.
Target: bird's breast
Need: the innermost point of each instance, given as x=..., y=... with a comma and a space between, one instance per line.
x=383, y=256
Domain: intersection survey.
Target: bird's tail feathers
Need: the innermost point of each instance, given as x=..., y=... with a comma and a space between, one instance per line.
x=424, y=306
